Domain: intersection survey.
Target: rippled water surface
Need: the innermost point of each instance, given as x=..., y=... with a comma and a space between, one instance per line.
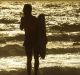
x=18, y=62
x=63, y=32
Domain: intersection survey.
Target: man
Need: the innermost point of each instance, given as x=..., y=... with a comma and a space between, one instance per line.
x=30, y=26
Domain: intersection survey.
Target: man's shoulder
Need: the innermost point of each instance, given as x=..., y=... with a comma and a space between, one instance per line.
x=22, y=18
x=34, y=17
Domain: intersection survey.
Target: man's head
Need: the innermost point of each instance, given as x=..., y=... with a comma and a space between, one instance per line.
x=27, y=9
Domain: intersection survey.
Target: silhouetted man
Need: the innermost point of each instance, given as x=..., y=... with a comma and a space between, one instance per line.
x=30, y=26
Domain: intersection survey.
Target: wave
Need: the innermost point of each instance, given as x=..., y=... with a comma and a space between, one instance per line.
x=66, y=27
x=6, y=21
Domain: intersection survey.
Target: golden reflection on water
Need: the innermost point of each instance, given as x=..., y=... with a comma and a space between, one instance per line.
x=12, y=12
x=19, y=62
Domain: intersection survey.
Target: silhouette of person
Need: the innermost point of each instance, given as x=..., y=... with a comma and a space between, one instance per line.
x=30, y=25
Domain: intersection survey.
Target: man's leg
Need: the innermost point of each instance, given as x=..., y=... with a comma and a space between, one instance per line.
x=36, y=66
x=29, y=65
x=29, y=59
x=36, y=63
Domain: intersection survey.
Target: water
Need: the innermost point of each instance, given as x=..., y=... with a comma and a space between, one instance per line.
x=19, y=62
x=63, y=45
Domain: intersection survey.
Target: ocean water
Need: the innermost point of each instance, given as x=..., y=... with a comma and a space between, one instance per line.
x=63, y=33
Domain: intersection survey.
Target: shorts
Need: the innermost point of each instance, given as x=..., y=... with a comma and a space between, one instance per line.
x=32, y=52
